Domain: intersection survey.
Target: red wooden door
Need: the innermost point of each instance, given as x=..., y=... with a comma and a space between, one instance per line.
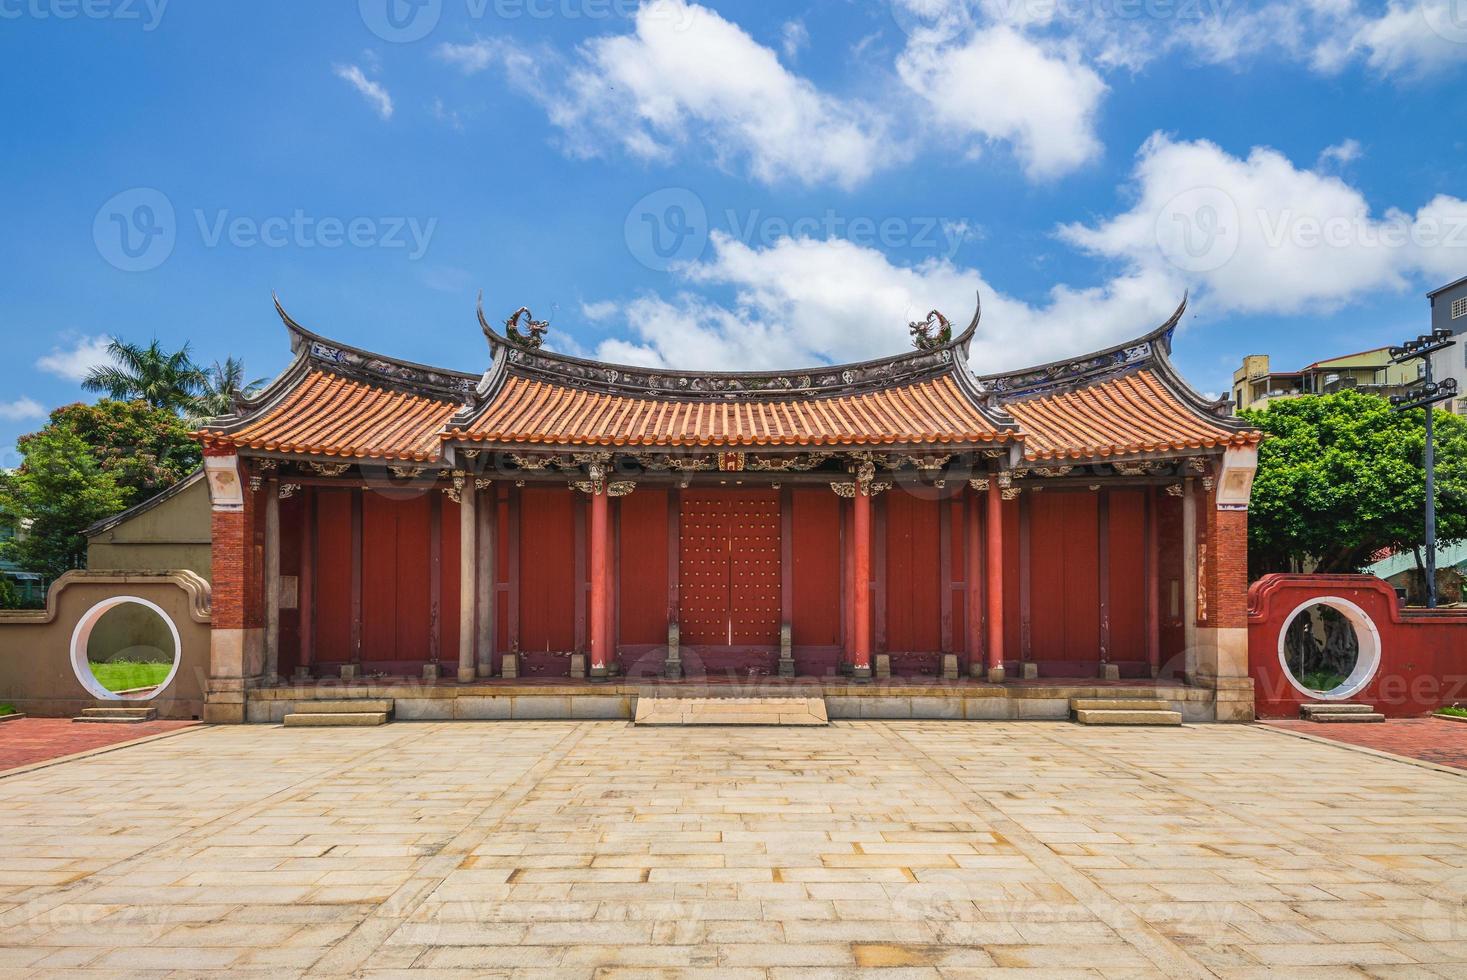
x=729, y=570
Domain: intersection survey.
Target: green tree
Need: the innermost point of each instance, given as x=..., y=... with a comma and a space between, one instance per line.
x=222, y=385
x=147, y=450
x=9, y=594
x=163, y=379
x=1341, y=477
x=60, y=488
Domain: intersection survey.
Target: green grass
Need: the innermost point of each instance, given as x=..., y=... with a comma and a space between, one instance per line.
x=1453, y=710
x=1322, y=680
x=126, y=675
x=6, y=709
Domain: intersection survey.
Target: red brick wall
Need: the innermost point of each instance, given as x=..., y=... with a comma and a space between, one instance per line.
x=1230, y=528
x=239, y=546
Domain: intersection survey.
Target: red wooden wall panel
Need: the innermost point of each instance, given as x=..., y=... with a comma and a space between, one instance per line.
x=1012, y=626
x=1065, y=583
x=333, y=576
x=292, y=518
x=383, y=567
x=449, y=601
x=502, y=638
x=1128, y=575
x=547, y=585
x=913, y=574
x=816, y=579
x=643, y=569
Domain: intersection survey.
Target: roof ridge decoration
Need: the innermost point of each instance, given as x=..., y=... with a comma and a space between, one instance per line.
x=376, y=369
x=1079, y=371
x=944, y=356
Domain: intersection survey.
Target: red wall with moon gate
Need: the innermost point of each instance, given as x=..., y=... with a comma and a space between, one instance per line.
x=1423, y=657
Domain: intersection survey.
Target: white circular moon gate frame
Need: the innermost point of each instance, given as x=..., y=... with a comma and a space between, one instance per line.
x=1367, y=662
x=81, y=636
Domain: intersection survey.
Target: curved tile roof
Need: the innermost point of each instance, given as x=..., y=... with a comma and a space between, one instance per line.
x=534, y=411
x=1134, y=413
x=330, y=415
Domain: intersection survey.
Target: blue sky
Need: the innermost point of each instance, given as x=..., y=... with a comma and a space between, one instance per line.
x=731, y=185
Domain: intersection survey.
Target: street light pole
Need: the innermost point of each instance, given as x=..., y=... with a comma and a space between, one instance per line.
x=1427, y=395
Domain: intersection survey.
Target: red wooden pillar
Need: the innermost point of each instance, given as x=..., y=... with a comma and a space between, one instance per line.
x=995, y=582
x=861, y=601
x=600, y=585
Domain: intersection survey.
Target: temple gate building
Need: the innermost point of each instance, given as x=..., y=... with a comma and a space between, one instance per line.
x=556, y=519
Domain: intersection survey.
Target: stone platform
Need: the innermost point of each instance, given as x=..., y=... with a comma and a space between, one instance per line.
x=616, y=700
x=798, y=712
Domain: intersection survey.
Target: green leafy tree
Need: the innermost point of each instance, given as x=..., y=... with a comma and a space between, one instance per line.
x=59, y=489
x=222, y=385
x=146, y=449
x=163, y=379
x=1341, y=477
x=9, y=594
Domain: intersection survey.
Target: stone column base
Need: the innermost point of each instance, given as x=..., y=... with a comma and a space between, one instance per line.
x=511, y=666
x=1110, y=672
x=995, y=675
x=861, y=675
x=578, y=667
x=430, y=672
x=1029, y=671
x=949, y=666
x=467, y=675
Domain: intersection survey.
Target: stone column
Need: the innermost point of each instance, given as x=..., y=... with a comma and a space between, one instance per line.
x=1189, y=580
x=468, y=574
x=994, y=528
x=1222, y=623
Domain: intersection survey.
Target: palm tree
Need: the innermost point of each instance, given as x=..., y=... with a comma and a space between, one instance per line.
x=151, y=374
x=221, y=385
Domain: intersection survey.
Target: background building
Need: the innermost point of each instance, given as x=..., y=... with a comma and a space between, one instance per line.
x=30, y=585
x=1255, y=384
x=164, y=533
x=1449, y=312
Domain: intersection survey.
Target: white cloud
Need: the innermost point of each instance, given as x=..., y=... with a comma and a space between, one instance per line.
x=1414, y=37
x=686, y=75
x=998, y=84
x=794, y=37
x=1262, y=235
x=21, y=410
x=375, y=94
x=470, y=58
x=802, y=301
x=76, y=362
x=1342, y=154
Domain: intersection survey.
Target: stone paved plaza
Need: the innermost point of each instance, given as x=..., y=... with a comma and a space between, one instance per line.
x=923, y=849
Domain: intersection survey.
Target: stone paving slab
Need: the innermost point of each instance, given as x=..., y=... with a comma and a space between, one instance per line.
x=1437, y=740
x=594, y=849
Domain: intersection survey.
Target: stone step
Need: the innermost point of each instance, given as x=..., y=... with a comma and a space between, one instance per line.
x=343, y=706
x=336, y=719
x=1119, y=704
x=116, y=716
x=1331, y=708
x=798, y=712
x=1086, y=716
x=1345, y=717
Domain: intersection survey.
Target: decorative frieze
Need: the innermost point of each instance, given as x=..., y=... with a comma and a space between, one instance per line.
x=288, y=490
x=329, y=469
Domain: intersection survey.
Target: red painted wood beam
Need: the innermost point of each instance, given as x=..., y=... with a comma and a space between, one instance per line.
x=861, y=601
x=600, y=579
x=995, y=581
x=356, y=577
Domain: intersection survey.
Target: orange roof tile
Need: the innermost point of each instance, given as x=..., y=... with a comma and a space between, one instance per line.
x=1132, y=414
x=530, y=411
x=328, y=415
